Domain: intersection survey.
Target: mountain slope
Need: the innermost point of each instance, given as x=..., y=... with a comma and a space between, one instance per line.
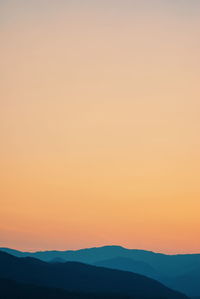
x=10, y=289
x=77, y=277
x=128, y=264
x=189, y=282
x=166, y=265
x=175, y=271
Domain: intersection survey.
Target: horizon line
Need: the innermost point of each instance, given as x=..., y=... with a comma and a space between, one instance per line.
x=96, y=247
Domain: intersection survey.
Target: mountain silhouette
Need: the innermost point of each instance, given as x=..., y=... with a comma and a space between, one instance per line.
x=189, y=282
x=175, y=271
x=162, y=263
x=82, y=278
x=128, y=264
x=10, y=289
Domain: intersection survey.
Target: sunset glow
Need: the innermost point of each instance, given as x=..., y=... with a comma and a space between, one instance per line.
x=99, y=124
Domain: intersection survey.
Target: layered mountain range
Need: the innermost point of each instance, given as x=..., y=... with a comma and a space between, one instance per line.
x=26, y=276
x=178, y=272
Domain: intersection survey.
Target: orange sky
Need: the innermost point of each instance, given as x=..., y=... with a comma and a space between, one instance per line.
x=99, y=124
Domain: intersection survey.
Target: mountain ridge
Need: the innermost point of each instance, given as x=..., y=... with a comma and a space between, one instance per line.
x=168, y=269
x=79, y=277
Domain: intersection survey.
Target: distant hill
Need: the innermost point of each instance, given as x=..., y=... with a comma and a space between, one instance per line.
x=166, y=265
x=189, y=282
x=81, y=278
x=89, y=255
x=128, y=264
x=175, y=271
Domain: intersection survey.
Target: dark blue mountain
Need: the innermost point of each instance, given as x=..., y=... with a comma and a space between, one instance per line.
x=166, y=265
x=10, y=289
x=81, y=278
x=171, y=270
x=128, y=264
x=189, y=282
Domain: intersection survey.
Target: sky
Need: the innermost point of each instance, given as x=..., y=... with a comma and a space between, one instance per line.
x=99, y=124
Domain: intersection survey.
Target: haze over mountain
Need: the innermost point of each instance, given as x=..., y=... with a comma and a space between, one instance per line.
x=128, y=264
x=78, y=277
x=188, y=282
x=180, y=272
x=177, y=264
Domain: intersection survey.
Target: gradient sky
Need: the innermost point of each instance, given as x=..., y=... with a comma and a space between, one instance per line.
x=99, y=124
